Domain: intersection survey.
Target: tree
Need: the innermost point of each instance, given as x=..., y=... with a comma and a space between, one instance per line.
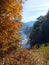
x=36, y=35
x=10, y=22
x=46, y=28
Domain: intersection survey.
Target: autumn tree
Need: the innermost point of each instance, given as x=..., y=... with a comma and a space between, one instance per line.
x=10, y=22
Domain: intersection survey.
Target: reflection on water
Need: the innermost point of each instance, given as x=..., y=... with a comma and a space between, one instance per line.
x=24, y=42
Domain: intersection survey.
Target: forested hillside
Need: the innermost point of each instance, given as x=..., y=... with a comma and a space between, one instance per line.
x=39, y=33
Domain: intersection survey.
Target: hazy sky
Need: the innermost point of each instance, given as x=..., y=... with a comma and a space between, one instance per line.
x=34, y=8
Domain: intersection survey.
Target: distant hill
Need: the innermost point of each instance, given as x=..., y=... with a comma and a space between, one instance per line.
x=26, y=26
x=24, y=33
x=29, y=24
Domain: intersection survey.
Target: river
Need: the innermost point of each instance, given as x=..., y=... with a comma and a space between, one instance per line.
x=24, y=42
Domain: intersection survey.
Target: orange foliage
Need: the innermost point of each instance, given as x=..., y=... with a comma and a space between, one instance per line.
x=10, y=22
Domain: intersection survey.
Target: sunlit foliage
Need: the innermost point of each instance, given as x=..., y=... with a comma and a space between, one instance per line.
x=10, y=22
